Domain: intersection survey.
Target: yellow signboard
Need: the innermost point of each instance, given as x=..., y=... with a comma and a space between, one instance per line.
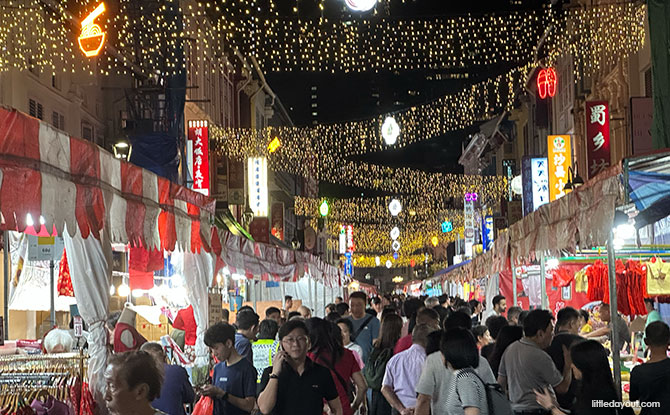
x=560, y=159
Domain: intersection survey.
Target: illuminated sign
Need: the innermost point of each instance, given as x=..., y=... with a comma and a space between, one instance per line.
x=487, y=232
x=560, y=159
x=395, y=233
x=351, y=247
x=92, y=38
x=324, y=209
x=274, y=145
x=257, y=175
x=546, y=83
x=198, y=136
x=469, y=222
x=342, y=241
x=509, y=167
x=471, y=197
x=447, y=226
x=597, y=136
x=540, y=182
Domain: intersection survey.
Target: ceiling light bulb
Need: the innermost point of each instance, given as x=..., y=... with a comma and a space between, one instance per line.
x=123, y=290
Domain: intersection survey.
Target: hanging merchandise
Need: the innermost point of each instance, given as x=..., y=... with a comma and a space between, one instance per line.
x=597, y=277
x=630, y=288
x=142, y=264
x=581, y=280
x=658, y=277
x=64, y=286
x=561, y=277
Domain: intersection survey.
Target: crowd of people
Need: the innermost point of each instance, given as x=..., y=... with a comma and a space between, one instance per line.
x=395, y=355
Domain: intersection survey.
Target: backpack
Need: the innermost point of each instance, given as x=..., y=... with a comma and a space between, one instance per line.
x=496, y=400
x=375, y=367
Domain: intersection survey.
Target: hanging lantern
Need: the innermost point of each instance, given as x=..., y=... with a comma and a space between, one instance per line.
x=395, y=233
x=546, y=82
x=395, y=207
x=361, y=5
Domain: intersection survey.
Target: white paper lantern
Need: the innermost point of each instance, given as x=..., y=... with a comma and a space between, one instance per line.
x=361, y=5
x=378, y=261
x=390, y=131
x=389, y=264
x=396, y=246
x=395, y=233
x=395, y=207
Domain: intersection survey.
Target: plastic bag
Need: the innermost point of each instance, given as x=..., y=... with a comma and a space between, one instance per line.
x=205, y=406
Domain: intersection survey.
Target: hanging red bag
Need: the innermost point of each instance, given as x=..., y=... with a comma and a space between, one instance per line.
x=205, y=406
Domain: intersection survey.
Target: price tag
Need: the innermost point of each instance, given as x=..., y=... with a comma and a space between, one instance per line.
x=78, y=326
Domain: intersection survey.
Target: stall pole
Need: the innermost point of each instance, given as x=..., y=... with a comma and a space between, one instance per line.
x=614, y=314
x=324, y=300
x=316, y=298
x=309, y=291
x=283, y=293
x=5, y=254
x=514, y=293
x=52, y=285
x=543, y=282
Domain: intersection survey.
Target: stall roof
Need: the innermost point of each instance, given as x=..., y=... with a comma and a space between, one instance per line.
x=648, y=184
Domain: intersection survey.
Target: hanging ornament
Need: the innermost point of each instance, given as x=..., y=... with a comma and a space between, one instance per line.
x=360, y=5
x=389, y=264
x=395, y=207
x=396, y=246
x=395, y=233
x=378, y=261
x=390, y=131
x=546, y=82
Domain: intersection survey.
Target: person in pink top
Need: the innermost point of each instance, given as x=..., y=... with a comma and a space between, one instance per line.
x=426, y=316
x=327, y=350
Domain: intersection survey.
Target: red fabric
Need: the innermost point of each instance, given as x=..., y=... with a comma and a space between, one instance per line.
x=345, y=367
x=85, y=169
x=196, y=240
x=166, y=223
x=403, y=344
x=631, y=286
x=562, y=276
x=598, y=281
x=555, y=295
x=64, y=286
x=138, y=339
x=131, y=186
x=141, y=266
x=75, y=395
x=185, y=320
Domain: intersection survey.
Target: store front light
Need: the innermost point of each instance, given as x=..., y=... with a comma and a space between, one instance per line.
x=123, y=290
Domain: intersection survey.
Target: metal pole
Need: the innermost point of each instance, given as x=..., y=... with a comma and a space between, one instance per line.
x=324, y=301
x=52, y=285
x=5, y=251
x=515, y=294
x=253, y=285
x=309, y=290
x=543, y=282
x=611, y=268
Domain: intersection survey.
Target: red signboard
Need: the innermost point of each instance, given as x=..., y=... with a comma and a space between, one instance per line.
x=260, y=230
x=546, y=83
x=597, y=136
x=277, y=220
x=198, y=134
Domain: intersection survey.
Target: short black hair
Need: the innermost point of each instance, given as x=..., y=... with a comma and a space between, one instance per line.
x=376, y=300
x=566, y=315
x=246, y=319
x=347, y=322
x=411, y=306
x=246, y=307
x=267, y=329
x=459, y=348
x=474, y=304
x=225, y=314
x=465, y=309
x=458, y=319
x=288, y=297
x=522, y=316
x=271, y=310
x=585, y=314
x=657, y=334
x=342, y=308
x=649, y=301
x=427, y=314
x=443, y=298
x=480, y=330
x=340, y=298
x=514, y=311
x=535, y=321
x=137, y=367
x=291, y=325
x=113, y=319
x=360, y=295
x=219, y=333
x=293, y=314
x=497, y=299
x=495, y=324
x=333, y=317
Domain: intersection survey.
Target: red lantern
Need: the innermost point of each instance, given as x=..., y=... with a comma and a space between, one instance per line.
x=412, y=263
x=546, y=82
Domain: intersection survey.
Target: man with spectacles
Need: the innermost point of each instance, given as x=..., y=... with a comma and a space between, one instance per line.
x=294, y=384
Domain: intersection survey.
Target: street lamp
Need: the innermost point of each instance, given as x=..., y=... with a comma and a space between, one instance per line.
x=574, y=180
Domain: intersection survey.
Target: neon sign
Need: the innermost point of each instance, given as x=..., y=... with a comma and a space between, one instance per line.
x=471, y=197
x=92, y=38
x=546, y=82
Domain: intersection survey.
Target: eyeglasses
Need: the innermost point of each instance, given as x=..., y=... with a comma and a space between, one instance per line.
x=291, y=340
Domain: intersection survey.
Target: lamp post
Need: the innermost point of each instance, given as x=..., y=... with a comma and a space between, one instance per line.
x=574, y=180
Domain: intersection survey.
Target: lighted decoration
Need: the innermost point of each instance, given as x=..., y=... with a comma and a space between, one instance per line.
x=390, y=131
x=559, y=150
x=378, y=261
x=470, y=197
x=274, y=145
x=361, y=5
x=447, y=226
x=434, y=240
x=257, y=170
x=517, y=185
x=324, y=209
x=412, y=263
x=395, y=233
x=92, y=38
x=389, y=264
x=395, y=207
x=396, y=246
x=397, y=279
x=396, y=256
x=546, y=82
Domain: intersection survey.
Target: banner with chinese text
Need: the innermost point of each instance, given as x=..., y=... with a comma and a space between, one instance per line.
x=559, y=151
x=198, y=134
x=597, y=136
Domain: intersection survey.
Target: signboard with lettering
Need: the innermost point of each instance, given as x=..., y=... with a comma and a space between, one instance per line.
x=487, y=232
x=559, y=150
x=540, y=182
x=235, y=182
x=597, y=136
x=198, y=135
x=258, y=185
x=469, y=224
x=45, y=248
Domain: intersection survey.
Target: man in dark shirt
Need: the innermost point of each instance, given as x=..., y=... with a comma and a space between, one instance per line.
x=650, y=382
x=567, y=327
x=233, y=386
x=176, y=390
x=294, y=384
x=247, y=328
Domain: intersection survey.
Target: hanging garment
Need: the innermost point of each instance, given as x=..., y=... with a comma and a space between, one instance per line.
x=581, y=281
x=630, y=288
x=64, y=286
x=88, y=406
x=658, y=277
x=185, y=320
x=127, y=338
x=561, y=277
x=141, y=267
x=597, y=281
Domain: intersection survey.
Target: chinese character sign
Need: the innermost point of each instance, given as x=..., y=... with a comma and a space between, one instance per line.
x=539, y=182
x=469, y=224
x=560, y=159
x=198, y=135
x=487, y=232
x=597, y=136
x=257, y=175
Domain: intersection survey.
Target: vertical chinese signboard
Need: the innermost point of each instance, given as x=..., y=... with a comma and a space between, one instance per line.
x=597, y=136
x=469, y=222
x=540, y=182
x=198, y=136
x=258, y=186
x=560, y=160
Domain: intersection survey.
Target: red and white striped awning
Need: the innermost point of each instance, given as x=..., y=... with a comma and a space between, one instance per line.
x=58, y=181
x=62, y=181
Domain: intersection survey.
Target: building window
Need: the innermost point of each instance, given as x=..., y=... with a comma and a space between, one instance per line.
x=58, y=120
x=55, y=82
x=35, y=109
x=87, y=131
x=648, y=91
